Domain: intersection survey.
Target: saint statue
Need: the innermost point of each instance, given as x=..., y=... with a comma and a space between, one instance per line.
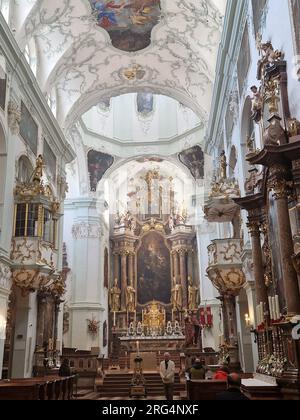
x=130, y=298
x=193, y=295
x=177, y=299
x=257, y=103
x=223, y=166
x=38, y=172
x=114, y=297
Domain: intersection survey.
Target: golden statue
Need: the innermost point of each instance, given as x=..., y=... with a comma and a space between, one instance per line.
x=130, y=298
x=154, y=317
x=38, y=172
x=114, y=297
x=177, y=299
x=223, y=166
x=193, y=295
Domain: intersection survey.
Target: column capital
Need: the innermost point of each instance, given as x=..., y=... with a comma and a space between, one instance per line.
x=279, y=188
x=254, y=228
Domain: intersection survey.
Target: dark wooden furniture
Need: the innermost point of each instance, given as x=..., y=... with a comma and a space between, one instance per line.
x=205, y=390
x=46, y=388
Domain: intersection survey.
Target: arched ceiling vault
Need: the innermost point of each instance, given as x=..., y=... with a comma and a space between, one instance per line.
x=77, y=59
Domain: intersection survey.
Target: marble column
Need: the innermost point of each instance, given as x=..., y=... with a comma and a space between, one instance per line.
x=116, y=265
x=123, y=279
x=225, y=319
x=190, y=264
x=130, y=268
x=258, y=267
x=229, y=302
x=290, y=278
x=40, y=329
x=183, y=277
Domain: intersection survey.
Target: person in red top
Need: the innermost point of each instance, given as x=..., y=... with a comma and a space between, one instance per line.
x=222, y=374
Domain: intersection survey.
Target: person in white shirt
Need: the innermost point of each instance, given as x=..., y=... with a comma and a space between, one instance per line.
x=167, y=373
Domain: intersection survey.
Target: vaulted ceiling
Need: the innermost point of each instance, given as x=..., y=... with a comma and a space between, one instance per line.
x=79, y=61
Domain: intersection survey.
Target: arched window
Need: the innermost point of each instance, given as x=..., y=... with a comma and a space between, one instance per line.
x=145, y=103
x=247, y=131
x=232, y=161
x=25, y=169
x=30, y=55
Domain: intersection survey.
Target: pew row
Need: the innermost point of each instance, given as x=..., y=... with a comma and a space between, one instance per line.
x=46, y=388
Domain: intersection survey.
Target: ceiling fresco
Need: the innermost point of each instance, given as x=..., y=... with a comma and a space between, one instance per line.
x=128, y=22
x=88, y=49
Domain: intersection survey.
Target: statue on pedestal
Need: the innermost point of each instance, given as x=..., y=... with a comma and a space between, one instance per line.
x=38, y=171
x=177, y=297
x=130, y=298
x=115, y=297
x=193, y=300
x=257, y=104
x=223, y=165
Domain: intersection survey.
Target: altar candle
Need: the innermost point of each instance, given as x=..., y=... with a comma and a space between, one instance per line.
x=263, y=312
x=114, y=319
x=138, y=347
x=277, y=307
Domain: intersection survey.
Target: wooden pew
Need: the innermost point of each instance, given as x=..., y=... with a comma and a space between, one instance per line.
x=204, y=390
x=47, y=388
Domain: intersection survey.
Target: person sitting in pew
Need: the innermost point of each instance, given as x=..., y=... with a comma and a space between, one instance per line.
x=222, y=374
x=197, y=371
x=65, y=369
x=233, y=392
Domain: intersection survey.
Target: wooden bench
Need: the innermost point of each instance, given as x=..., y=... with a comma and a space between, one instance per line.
x=47, y=388
x=204, y=390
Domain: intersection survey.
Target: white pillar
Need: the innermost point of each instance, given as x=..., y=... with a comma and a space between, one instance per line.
x=5, y=287
x=25, y=335
x=88, y=297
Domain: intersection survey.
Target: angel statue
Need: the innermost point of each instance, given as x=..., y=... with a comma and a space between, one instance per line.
x=223, y=165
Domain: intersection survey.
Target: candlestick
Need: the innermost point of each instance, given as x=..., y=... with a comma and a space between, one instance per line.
x=277, y=306
x=270, y=308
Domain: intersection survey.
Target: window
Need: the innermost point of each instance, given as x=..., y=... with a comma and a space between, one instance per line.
x=34, y=221
x=258, y=7
x=145, y=103
x=25, y=169
x=21, y=220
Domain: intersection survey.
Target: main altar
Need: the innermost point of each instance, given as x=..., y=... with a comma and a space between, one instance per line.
x=153, y=295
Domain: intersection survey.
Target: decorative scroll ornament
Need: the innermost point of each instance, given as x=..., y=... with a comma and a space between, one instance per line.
x=93, y=326
x=29, y=280
x=27, y=191
x=14, y=117
x=269, y=57
x=153, y=225
x=228, y=189
x=134, y=73
x=86, y=230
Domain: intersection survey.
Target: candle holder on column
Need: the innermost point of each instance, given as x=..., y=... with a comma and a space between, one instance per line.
x=138, y=388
